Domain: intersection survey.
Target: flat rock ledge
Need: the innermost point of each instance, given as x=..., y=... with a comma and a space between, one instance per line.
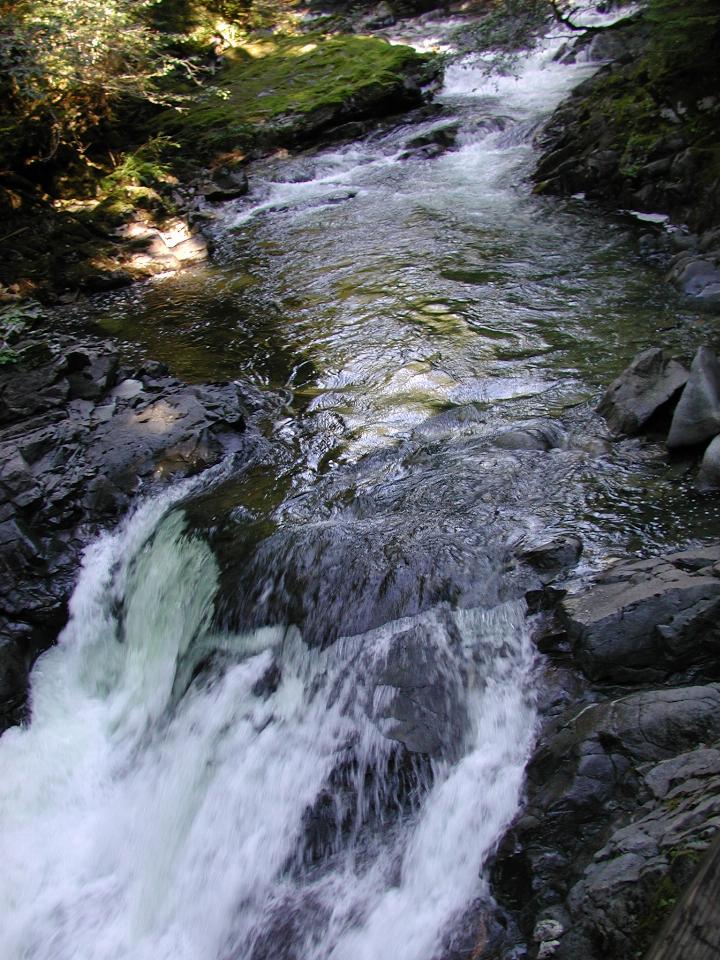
x=623, y=791
x=80, y=437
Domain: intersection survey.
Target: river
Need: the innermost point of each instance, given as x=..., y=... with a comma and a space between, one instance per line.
x=291, y=711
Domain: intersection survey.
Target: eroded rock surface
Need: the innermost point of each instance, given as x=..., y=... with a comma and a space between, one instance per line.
x=622, y=792
x=648, y=620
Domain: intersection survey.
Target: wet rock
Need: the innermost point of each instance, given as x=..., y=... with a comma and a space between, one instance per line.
x=554, y=556
x=74, y=449
x=418, y=690
x=635, y=878
x=431, y=143
x=699, y=279
x=648, y=620
x=543, y=437
x=225, y=183
x=709, y=475
x=697, y=415
x=595, y=839
x=642, y=391
x=13, y=683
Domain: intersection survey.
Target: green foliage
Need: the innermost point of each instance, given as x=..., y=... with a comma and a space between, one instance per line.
x=147, y=166
x=65, y=64
x=686, y=35
x=14, y=318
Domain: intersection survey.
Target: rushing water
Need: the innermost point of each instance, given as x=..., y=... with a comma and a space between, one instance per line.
x=290, y=713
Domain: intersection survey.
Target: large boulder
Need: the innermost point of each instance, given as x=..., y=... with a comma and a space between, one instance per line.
x=648, y=620
x=227, y=182
x=697, y=415
x=418, y=685
x=634, y=880
x=700, y=279
x=651, y=382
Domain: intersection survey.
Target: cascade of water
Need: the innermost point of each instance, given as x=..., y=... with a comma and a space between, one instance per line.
x=144, y=826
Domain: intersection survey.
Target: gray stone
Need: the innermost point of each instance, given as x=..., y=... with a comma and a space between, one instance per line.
x=125, y=390
x=697, y=415
x=646, y=620
x=547, y=929
x=542, y=437
x=418, y=687
x=709, y=475
x=554, y=556
x=651, y=381
x=665, y=775
x=700, y=279
x=225, y=183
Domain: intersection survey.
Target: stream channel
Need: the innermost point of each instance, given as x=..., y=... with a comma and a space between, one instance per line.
x=290, y=714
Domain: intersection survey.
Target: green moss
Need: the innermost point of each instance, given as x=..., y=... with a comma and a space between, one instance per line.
x=285, y=79
x=659, y=904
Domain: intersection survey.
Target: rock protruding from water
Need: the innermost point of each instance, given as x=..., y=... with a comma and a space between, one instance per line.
x=418, y=689
x=697, y=415
x=650, y=382
x=227, y=182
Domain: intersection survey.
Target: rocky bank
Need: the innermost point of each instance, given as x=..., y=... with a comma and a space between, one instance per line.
x=623, y=790
x=82, y=436
x=642, y=134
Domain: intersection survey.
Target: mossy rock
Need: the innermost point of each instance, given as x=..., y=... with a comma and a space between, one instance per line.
x=284, y=89
x=642, y=133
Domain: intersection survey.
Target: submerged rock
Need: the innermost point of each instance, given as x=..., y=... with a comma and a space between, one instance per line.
x=651, y=382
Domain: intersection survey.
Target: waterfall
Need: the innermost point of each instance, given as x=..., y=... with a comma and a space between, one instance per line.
x=149, y=816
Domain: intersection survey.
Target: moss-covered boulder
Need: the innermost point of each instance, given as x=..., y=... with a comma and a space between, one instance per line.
x=644, y=132
x=287, y=89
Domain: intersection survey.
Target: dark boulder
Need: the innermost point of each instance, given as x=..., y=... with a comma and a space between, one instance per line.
x=554, y=556
x=225, y=183
x=418, y=693
x=651, y=382
x=598, y=836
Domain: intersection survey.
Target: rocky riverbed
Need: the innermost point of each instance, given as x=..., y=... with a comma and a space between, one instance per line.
x=620, y=800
